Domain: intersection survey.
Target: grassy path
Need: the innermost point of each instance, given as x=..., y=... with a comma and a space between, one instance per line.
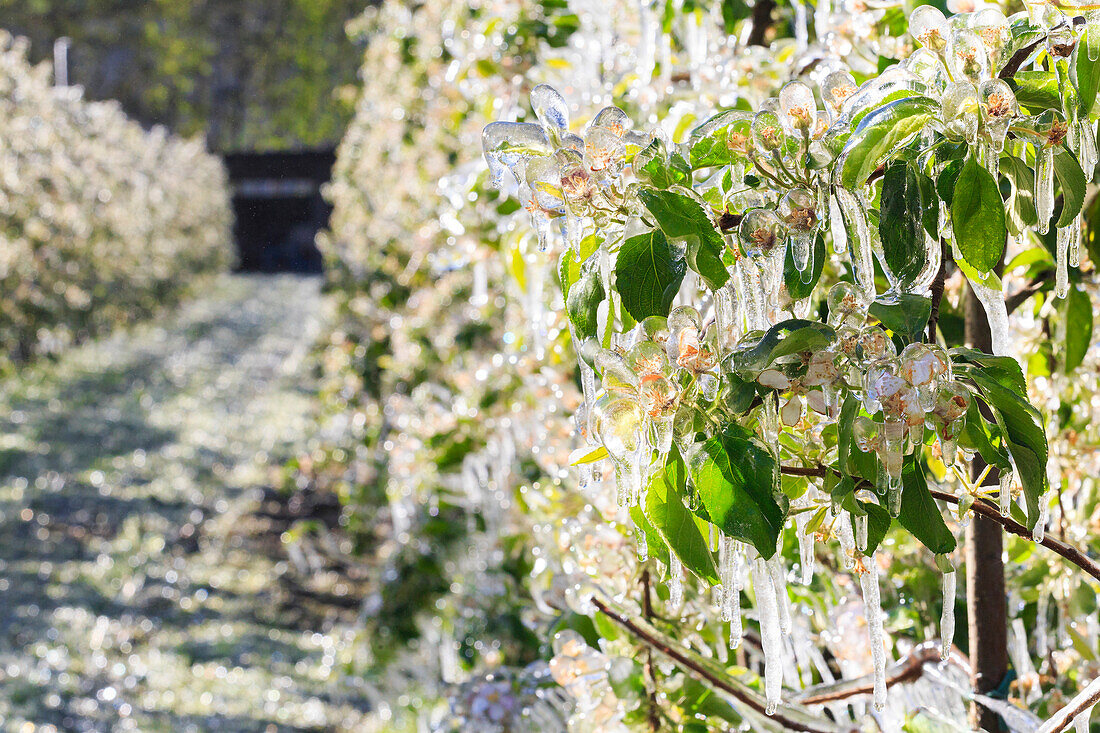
x=132, y=594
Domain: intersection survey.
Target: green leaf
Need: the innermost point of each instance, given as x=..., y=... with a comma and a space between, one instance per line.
x=1036, y=90
x=648, y=274
x=655, y=542
x=1085, y=73
x=683, y=219
x=655, y=167
x=1072, y=180
x=980, y=435
x=708, y=144
x=737, y=480
x=596, y=454
x=945, y=181
x=930, y=206
x=878, y=524
x=664, y=507
x=919, y=511
x=792, y=277
x=978, y=216
x=569, y=267
x=1021, y=200
x=881, y=133
x=733, y=11
x=584, y=298
x=904, y=314
x=899, y=222
x=845, y=423
x=1000, y=383
x=1077, y=322
x=783, y=339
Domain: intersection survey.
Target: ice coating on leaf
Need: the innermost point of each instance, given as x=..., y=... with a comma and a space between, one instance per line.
x=947, y=617
x=1087, y=151
x=618, y=377
x=510, y=145
x=551, y=109
x=929, y=27
x=874, y=91
x=868, y=582
x=617, y=425
x=767, y=608
x=927, y=67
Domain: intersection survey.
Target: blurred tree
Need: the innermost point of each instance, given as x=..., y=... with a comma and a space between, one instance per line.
x=247, y=73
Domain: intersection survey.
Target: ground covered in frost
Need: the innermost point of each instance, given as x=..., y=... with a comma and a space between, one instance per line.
x=138, y=588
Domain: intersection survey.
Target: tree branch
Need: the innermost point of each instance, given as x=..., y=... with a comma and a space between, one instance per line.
x=761, y=22
x=1017, y=299
x=1084, y=700
x=987, y=510
x=681, y=657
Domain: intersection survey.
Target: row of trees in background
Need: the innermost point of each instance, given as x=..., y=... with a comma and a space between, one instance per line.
x=247, y=74
x=101, y=220
x=786, y=423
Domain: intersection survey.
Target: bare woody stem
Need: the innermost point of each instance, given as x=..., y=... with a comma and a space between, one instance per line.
x=677, y=655
x=987, y=510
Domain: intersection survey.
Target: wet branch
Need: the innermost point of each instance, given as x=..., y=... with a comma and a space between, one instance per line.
x=987, y=510
x=937, y=293
x=680, y=656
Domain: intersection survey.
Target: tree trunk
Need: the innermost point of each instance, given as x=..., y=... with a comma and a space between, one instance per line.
x=986, y=603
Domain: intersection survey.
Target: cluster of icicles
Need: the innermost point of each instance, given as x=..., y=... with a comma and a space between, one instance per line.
x=587, y=183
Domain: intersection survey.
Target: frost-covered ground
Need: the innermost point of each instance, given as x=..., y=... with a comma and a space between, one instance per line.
x=135, y=593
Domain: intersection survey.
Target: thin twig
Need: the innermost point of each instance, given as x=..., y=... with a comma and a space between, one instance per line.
x=985, y=509
x=1084, y=700
x=680, y=657
x=937, y=293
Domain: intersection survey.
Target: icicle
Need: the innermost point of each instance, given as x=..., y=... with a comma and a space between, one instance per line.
x=1039, y=532
x=641, y=542
x=1081, y=721
x=1005, y=497
x=729, y=562
x=859, y=529
x=801, y=31
x=1061, y=260
x=675, y=581
x=770, y=635
x=1042, y=626
x=947, y=617
x=872, y=604
x=1044, y=188
x=806, y=558
x=779, y=582
x=1087, y=153
x=724, y=317
x=1076, y=230
x=993, y=301
x=847, y=542
x=853, y=209
x=836, y=226
x=737, y=633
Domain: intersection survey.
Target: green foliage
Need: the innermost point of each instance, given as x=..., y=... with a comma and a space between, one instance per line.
x=978, y=216
x=683, y=220
x=648, y=274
